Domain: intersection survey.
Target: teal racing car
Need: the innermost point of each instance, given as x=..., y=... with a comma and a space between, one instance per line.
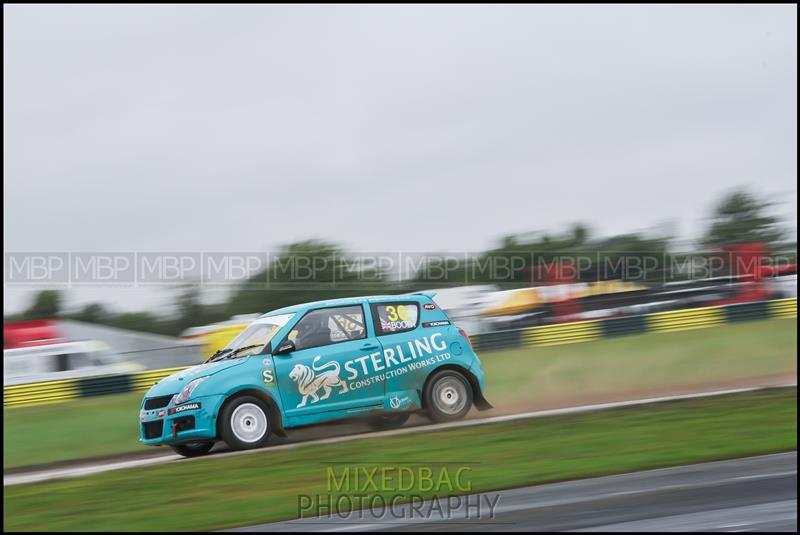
x=380, y=358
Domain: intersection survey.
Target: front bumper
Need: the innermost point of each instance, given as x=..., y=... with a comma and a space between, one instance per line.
x=190, y=421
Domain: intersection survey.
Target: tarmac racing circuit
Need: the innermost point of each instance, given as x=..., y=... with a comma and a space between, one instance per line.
x=750, y=494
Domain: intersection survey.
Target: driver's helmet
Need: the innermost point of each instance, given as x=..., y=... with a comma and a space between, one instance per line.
x=313, y=330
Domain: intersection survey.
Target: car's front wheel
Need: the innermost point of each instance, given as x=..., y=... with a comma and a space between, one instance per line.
x=193, y=449
x=447, y=396
x=245, y=423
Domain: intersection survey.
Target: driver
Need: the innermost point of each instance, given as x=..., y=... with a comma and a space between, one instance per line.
x=313, y=331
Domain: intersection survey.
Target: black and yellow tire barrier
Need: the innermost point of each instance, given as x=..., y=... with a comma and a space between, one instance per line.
x=783, y=308
x=38, y=393
x=564, y=333
x=66, y=389
x=674, y=320
x=681, y=320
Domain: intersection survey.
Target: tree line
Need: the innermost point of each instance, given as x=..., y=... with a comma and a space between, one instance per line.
x=739, y=217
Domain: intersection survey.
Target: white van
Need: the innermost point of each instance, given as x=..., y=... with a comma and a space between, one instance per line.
x=62, y=361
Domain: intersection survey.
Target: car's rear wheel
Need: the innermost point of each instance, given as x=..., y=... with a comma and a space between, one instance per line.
x=245, y=423
x=193, y=449
x=388, y=421
x=447, y=396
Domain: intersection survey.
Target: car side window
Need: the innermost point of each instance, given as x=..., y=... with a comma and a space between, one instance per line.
x=329, y=326
x=393, y=318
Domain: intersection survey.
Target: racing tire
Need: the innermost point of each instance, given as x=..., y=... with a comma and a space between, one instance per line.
x=193, y=449
x=447, y=396
x=388, y=421
x=245, y=423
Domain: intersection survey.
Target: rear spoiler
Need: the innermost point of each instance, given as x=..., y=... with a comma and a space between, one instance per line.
x=428, y=293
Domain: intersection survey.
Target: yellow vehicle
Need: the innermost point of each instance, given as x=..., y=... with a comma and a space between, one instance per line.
x=217, y=335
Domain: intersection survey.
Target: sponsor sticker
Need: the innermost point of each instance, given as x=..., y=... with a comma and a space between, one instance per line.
x=397, y=317
x=268, y=376
x=435, y=323
x=392, y=326
x=185, y=407
x=429, y=306
x=396, y=402
x=318, y=381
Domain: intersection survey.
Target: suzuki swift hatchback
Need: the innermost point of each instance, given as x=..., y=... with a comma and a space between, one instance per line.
x=378, y=357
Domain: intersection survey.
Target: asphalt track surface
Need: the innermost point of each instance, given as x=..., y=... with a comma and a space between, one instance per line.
x=83, y=469
x=750, y=494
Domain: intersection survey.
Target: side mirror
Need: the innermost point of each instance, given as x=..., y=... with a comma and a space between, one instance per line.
x=285, y=348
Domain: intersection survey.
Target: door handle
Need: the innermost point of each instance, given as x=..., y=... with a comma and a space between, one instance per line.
x=368, y=346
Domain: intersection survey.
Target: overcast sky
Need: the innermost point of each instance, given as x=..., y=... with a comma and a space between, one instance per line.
x=229, y=128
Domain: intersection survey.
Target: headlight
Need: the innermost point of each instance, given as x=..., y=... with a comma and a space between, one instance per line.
x=186, y=393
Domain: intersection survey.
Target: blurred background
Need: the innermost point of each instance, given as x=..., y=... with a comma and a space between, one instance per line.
x=536, y=164
x=170, y=172
x=603, y=197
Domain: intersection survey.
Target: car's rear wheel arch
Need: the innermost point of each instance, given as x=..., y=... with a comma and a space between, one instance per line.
x=276, y=421
x=473, y=382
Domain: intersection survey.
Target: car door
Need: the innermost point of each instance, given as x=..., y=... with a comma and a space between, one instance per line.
x=329, y=371
x=408, y=350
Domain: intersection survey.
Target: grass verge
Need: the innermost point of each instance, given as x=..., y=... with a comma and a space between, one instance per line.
x=641, y=364
x=529, y=378
x=221, y=492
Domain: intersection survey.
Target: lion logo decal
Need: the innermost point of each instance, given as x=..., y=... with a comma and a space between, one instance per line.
x=311, y=380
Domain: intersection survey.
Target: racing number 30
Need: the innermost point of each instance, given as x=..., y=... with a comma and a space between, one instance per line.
x=398, y=312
